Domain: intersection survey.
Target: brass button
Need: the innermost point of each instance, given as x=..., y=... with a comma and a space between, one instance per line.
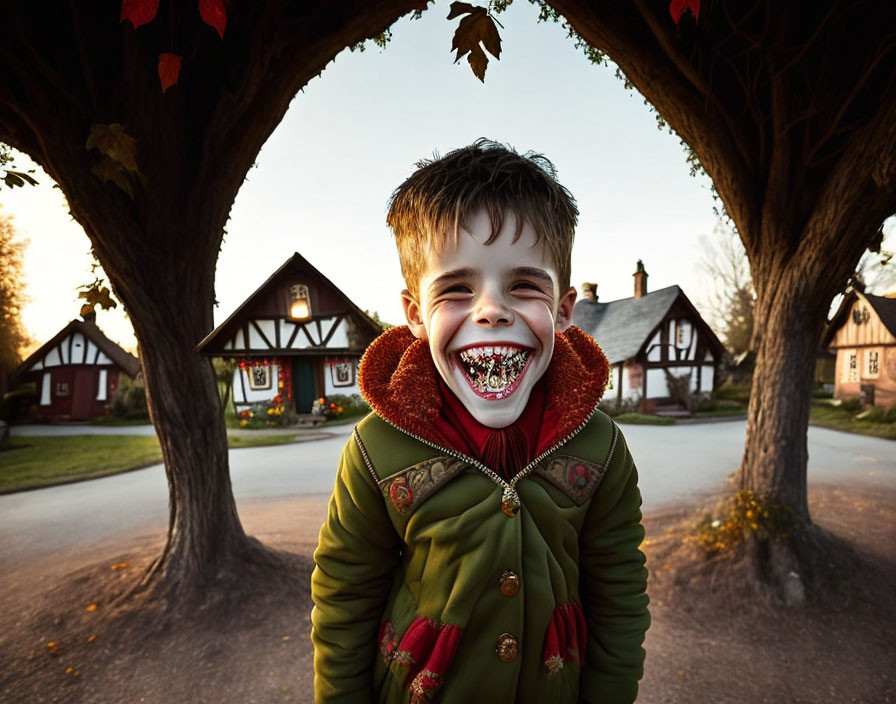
x=507, y=647
x=510, y=583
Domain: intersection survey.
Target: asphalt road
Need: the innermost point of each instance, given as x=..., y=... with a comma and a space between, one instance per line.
x=674, y=462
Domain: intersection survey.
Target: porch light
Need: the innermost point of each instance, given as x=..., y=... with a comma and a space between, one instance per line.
x=299, y=303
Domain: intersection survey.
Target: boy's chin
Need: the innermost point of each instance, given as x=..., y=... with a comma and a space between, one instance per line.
x=496, y=413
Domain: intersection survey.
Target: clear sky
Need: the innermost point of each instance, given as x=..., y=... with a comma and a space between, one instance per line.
x=353, y=134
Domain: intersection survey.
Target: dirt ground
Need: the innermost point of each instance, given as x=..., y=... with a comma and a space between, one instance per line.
x=60, y=641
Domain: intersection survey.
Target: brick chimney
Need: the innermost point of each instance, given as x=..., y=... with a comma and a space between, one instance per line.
x=589, y=291
x=640, y=281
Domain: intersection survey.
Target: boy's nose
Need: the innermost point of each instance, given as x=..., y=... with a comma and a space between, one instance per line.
x=492, y=312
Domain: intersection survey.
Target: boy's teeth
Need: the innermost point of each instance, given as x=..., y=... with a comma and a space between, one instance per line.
x=493, y=368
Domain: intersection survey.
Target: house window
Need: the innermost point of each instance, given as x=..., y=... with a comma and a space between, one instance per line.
x=298, y=302
x=872, y=364
x=343, y=372
x=682, y=332
x=62, y=388
x=259, y=378
x=852, y=369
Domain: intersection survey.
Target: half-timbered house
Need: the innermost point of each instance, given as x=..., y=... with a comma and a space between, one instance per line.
x=863, y=335
x=651, y=340
x=297, y=338
x=77, y=371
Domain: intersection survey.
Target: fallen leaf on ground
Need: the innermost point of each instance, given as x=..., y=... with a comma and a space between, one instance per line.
x=92, y=607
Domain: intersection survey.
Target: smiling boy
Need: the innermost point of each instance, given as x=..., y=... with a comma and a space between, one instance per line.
x=482, y=543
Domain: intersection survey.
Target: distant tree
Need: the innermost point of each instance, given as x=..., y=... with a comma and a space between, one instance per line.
x=730, y=298
x=375, y=317
x=13, y=336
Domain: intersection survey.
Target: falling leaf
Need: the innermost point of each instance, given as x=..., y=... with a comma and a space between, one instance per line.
x=69, y=670
x=92, y=607
x=169, y=69
x=214, y=13
x=90, y=639
x=118, y=566
x=678, y=7
x=139, y=12
x=476, y=30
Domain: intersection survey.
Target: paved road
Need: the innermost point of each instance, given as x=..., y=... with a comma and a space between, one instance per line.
x=674, y=462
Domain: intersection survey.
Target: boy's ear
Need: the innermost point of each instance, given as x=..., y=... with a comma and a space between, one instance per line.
x=564, y=310
x=413, y=314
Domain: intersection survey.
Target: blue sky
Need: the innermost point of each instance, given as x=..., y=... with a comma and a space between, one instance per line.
x=322, y=180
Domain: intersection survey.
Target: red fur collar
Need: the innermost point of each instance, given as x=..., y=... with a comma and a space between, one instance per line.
x=400, y=382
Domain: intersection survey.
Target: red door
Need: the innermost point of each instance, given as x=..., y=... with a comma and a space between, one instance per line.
x=83, y=394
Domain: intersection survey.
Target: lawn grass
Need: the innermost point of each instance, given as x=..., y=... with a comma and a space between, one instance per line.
x=826, y=415
x=33, y=462
x=643, y=419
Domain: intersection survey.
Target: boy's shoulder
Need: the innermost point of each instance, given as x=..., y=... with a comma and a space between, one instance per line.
x=388, y=450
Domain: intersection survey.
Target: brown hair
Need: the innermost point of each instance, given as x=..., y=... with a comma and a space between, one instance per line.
x=444, y=191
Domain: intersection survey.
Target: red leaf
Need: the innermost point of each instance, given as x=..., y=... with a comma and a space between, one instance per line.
x=678, y=7
x=214, y=13
x=139, y=12
x=169, y=69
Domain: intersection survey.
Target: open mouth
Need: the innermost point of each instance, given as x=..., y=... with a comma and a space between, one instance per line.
x=494, y=371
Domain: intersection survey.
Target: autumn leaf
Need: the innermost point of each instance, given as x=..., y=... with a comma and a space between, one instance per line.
x=97, y=295
x=677, y=9
x=139, y=12
x=214, y=13
x=476, y=30
x=169, y=69
x=113, y=142
x=91, y=607
x=108, y=170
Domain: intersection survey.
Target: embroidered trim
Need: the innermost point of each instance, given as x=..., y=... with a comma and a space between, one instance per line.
x=575, y=477
x=387, y=642
x=424, y=686
x=357, y=436
x=410, y=487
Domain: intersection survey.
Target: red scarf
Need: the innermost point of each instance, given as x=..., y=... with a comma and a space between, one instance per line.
x=505, y=450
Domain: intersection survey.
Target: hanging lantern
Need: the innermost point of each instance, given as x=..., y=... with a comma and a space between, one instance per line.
x=298, y=302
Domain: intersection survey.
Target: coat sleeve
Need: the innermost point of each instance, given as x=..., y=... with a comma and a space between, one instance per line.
x=356, y=554
x=614, y=585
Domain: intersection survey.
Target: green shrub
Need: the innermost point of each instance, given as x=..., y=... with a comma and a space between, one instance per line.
x=18, y=406
x=739, y=391
x=129, y=399
x=852, y=404
x=878, y=414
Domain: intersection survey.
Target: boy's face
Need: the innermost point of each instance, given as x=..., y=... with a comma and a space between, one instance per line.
x=490, y=313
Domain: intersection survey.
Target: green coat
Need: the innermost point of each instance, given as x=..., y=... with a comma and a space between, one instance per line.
x=413, y=531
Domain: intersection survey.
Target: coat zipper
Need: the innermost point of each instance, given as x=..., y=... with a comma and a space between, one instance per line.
x=510, y=499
